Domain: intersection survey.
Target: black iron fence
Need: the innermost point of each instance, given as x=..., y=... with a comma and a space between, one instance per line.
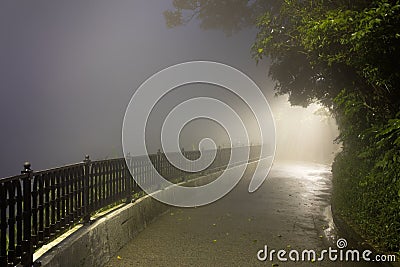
x=38, y=206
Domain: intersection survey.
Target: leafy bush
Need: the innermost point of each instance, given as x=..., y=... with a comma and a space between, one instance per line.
x=367, y=186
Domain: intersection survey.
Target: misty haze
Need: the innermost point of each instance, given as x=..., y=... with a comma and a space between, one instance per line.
x=68, y=76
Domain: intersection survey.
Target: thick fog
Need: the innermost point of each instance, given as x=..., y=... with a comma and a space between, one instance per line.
x=69, y=68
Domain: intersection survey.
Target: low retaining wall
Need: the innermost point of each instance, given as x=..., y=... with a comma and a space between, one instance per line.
x=95, y=244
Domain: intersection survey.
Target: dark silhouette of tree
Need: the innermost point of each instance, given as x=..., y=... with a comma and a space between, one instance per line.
x=228, y=15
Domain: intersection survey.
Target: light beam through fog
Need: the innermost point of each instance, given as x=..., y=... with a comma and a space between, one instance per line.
x=304, y=134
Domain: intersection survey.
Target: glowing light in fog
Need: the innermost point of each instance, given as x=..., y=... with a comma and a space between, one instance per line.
x=305, y=134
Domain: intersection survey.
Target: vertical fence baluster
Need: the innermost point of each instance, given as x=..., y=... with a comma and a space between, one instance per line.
x=119, y=180
x=27, y=258
x=3, y=225
x=127, y=178
x=75, y=195
x=11, y=222
x=96, y=181
x=158, y=163
x=35, y=213
x=104, y=183
x=183, y=172
x=58, y=202
x=109, y=178
x=62, y=201
x=113, y=173
x=52, y=206
x=41, y=210
x=19, y=200
x=86, y=177
x=81, y=175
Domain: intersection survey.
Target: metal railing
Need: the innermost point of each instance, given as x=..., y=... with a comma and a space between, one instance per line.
x=38, y=206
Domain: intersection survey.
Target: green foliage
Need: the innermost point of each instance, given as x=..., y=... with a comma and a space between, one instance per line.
x=346, y=56
x=365, y=39
x=367, y=186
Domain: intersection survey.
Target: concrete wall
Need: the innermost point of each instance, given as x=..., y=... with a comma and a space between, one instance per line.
x=95, y=244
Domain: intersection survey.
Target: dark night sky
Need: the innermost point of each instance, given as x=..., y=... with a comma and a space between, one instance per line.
x=69, y=68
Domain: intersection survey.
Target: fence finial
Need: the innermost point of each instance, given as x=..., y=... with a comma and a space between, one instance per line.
x=27, y=167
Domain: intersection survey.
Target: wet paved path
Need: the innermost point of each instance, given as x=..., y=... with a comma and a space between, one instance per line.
x=289, y=211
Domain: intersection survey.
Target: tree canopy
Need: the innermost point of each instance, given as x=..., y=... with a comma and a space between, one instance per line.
x=228, y=15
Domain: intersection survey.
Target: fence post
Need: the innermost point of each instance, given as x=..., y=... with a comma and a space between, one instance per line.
x=129, y=181
x=27, y=258
x=86, y=216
